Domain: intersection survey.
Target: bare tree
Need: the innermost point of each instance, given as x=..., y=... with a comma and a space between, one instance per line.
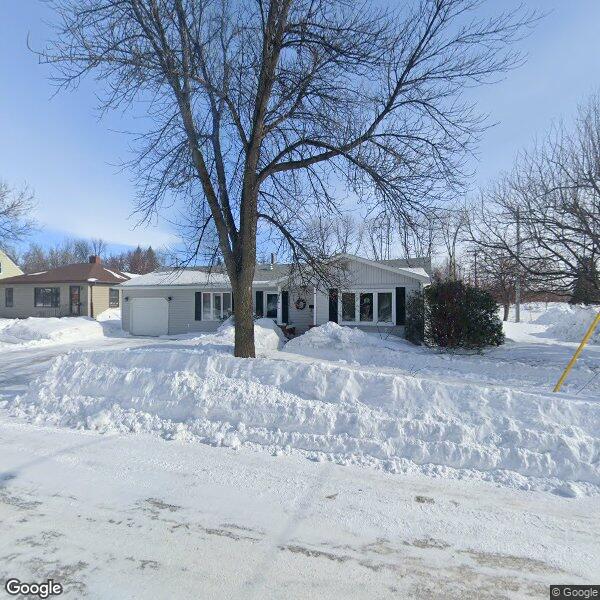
x=263, y=109
x=98, y=246
x=16, y=221
x=452, y=226
x=554, y=191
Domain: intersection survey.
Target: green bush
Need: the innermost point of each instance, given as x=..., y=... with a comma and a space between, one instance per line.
x=461, y=316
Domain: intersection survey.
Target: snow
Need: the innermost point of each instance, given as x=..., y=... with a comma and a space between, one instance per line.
x=416, y=271
x=126, y=516
x=569, y=323
x=213, y=491
x=115, y=274
x=16, y=334
x=37, y=331
x=267, y=335
x=340, y=395
x=174, y=277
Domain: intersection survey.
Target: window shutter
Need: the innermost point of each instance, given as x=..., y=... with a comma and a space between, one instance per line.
x=333, y=305
x=198, y=306
x=400, y=306
x=259, y=310
x=285, y=307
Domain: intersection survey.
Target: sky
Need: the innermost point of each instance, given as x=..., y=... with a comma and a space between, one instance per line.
x=60, y=148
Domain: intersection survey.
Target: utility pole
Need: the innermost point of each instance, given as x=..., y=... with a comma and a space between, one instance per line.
x=518, y=274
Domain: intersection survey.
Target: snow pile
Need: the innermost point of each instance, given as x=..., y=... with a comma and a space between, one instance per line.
x=345, y=344
x=399, y=423
x=569, y=322
x=36, y=331
x=267, y=335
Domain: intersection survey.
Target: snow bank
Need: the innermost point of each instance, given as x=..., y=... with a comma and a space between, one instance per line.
x=43, y=331
x=344, y=344
x=399, y=423
x=267, y=335
x=332, y=335
x=39, y=331
x=569, y=322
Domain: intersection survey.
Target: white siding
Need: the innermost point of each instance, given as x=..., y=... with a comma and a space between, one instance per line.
x=181, y=307
x=362, y=277
x=301, y=319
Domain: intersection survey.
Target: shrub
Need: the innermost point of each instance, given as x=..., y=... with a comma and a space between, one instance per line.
x=415, y=318
x=461, y=316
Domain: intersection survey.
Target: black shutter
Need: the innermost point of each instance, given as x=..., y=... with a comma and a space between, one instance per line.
x=333, y=305
x=198, y=306
x=259, y=304
x=400, y=306
x=285, y=307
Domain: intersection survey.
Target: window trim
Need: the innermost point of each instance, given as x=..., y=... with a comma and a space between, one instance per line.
x=266, y=305
x=375, y=291
x=52, y=296
x=210, y=317
x=110, y=301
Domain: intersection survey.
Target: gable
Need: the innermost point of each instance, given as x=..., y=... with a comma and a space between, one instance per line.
x=362, y=271
x=7, y=267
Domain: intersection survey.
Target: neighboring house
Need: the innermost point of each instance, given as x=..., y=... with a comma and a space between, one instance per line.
x=7, y=266
x=199, y=299
x=81, y=289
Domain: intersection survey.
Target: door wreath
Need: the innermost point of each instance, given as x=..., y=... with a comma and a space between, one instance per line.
x=300, y=304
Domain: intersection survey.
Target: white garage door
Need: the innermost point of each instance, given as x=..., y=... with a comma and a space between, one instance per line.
x=149, y=316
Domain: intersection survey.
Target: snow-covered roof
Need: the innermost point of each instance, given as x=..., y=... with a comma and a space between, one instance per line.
x=264, y=275
x=176, y=277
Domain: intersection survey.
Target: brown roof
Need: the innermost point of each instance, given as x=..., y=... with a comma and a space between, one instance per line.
x=76, y=273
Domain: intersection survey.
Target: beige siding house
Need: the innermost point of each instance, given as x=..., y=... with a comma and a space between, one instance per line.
x=7, y=266
x=373, y=297
x=81, y=289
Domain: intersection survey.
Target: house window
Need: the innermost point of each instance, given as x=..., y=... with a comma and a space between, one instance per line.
x=216, y=306
x=113, y=298
x=272, y=305
x=367, y=307
x=227, y=311
x=384, y=307
x=46, y=297
x=348, y=306
x=8, y=297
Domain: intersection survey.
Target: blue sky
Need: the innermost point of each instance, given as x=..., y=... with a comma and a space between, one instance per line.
x=70, y=158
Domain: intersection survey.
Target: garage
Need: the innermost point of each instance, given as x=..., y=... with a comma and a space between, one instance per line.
x=149, y=316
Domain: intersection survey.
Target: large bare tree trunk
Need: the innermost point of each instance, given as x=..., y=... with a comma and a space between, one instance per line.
x=244, y=321
x=506, y=311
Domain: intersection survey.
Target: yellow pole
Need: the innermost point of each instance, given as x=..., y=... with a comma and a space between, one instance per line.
x=584, y=341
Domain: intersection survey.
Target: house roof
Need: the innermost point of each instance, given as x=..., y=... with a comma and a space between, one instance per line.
x=206, y=276
x=264, y=274
x=75, y=273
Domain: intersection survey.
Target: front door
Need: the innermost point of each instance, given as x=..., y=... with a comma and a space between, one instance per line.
x=75, y=300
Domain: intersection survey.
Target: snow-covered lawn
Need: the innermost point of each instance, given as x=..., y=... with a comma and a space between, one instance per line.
x=462, y=473
x=16, y=334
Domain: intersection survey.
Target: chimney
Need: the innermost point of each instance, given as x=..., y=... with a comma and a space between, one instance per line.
x=95, y=259
x=272, y=260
